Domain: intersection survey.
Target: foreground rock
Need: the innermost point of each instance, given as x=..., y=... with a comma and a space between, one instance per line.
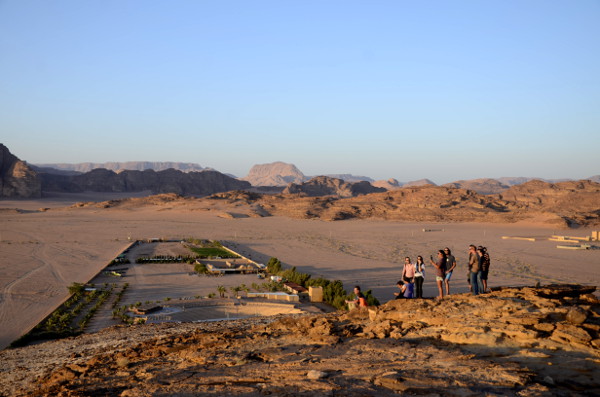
x=512, y=342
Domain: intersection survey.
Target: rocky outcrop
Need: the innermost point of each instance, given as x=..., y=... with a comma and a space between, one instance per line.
x=563, y=205
x=511, y=342
x=17, y=179
x=481, y=186
x=575, y=202
x=168, y=181
x=326, y=186
x=274, y=174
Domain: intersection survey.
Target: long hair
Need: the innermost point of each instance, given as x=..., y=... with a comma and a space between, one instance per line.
x=443, y=254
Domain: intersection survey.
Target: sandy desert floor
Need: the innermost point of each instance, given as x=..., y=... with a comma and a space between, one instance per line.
x=42, y=252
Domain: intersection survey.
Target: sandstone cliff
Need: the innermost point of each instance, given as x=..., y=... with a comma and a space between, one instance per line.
x=511, y=342
x=274, y=174
x=326, y=186
x=17, y=179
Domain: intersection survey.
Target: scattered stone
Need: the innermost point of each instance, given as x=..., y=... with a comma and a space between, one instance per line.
x=548, y=379
x=571, y=334
x=314, y=375
x=576, y=315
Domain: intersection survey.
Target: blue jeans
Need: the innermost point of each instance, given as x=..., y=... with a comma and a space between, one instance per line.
x=475, y=281
x=480, y=282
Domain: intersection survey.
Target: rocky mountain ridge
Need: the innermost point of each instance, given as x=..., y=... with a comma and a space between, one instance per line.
x=17, y=179
x=81, y=168
x=326, y=186
x=528, y=341
x=167, y=181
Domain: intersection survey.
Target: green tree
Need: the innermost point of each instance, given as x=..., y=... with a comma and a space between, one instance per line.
x=221, y=290
x=371, y=299
x=274, y=265
x=76, y=288
x=200, y=268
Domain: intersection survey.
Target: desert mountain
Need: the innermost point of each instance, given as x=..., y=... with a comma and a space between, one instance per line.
x=274, y=174
x=121, y=166
x=390, y=184
x=17, y=179
x=482, y=186
x=326, y=186
x=595, y=178
x=167, y=181
x=525, y=341
x=420, y=182
x=349, y=177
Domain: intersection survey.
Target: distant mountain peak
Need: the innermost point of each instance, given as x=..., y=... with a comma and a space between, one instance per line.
x=274, y=174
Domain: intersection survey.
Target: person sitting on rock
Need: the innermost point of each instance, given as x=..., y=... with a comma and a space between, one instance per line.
x=406, y=290
x=360, y=302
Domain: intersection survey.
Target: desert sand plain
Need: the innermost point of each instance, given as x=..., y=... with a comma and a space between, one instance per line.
x=44, y=251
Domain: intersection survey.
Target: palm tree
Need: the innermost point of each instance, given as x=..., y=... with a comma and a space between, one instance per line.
x=221, y=291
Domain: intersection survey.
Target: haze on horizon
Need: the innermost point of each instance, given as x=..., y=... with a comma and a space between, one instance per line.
x=387, y=89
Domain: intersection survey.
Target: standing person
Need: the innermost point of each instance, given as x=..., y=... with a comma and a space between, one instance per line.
x=450, y=265
x=485, y=268
x=419, y=277
x=360, y=302
x=440, y=271
x=473, y=269
x=480, y=254
x=408, y=273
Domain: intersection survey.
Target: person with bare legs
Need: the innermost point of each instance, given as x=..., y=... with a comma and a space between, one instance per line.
x=450, y=265
x=440, y=271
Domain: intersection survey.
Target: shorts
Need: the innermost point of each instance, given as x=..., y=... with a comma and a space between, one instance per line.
x=438, y=278
x=484, y=274
x=448, y=275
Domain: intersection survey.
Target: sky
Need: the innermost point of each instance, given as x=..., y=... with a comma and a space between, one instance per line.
x=445, y=90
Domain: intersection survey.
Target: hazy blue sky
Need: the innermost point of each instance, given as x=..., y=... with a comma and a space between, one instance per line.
x=444, y=90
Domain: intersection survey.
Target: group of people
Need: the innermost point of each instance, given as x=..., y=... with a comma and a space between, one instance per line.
x=413, y=274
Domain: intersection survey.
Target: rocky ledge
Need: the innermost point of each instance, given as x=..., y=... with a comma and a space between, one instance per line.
x=511, y=342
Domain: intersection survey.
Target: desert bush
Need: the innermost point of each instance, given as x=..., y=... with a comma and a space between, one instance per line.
x=274, y=265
